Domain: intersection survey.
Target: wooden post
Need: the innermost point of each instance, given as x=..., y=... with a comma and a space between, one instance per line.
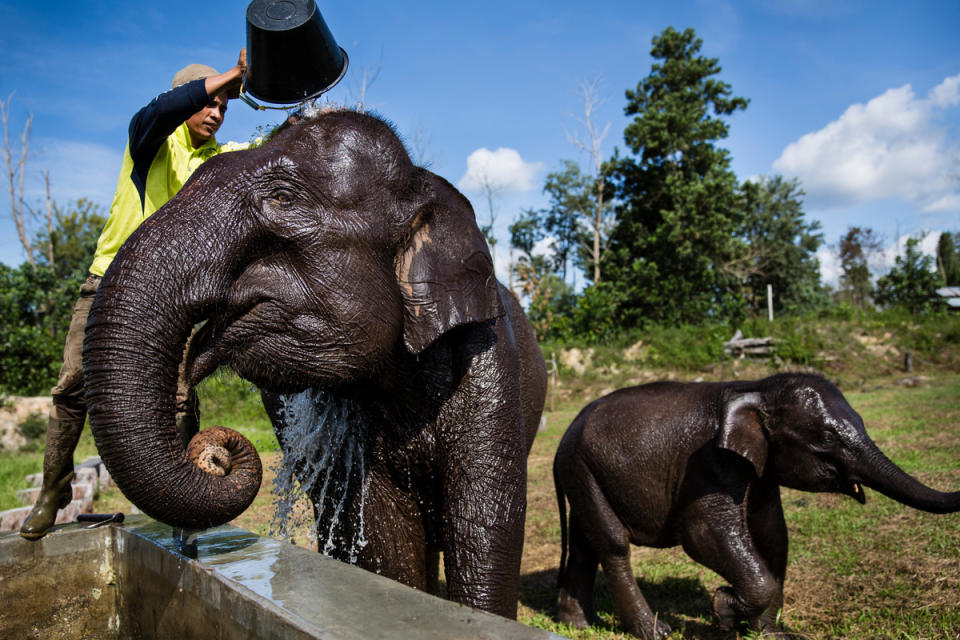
x=553, y=380
x=770, y=302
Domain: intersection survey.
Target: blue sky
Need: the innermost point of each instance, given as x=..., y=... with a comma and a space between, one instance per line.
x=859, y=100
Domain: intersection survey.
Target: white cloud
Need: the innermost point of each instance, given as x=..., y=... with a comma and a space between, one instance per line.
x=829, y=266
x=949, y=203
x=502, y=169
x=892, y=146
x=947, y=93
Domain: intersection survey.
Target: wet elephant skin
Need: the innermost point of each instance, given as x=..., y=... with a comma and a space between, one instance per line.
x=701, y=465
x=326, y=263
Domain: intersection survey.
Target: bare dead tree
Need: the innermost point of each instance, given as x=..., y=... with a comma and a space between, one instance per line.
x=420, y=148
x=368, y=75
x=49, y=216
x=601, y=221
x=490, y=189
x=16, y=170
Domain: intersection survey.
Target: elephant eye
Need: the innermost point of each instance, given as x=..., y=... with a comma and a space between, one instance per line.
x=282, y=196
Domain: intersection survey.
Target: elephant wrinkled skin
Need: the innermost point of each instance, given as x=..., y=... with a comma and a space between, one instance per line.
x=701, y=465
x=325, y=263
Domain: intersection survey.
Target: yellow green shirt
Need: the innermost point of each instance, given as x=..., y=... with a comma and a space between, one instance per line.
x=176, y=160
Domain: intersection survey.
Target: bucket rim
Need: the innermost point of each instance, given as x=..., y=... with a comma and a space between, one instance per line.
x=343, y=71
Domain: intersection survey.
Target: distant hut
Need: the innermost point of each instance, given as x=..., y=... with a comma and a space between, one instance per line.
x=951, y=296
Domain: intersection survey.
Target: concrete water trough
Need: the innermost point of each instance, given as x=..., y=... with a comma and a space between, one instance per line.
x=143, y=579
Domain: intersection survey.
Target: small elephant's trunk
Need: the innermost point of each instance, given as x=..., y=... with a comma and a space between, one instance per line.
x=880, y=473
x=168, y=275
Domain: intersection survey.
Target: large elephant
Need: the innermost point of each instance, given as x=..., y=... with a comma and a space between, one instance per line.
x=701, y=465
x=356, y=290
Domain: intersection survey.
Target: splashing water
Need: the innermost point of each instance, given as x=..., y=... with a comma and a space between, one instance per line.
x=323, y=458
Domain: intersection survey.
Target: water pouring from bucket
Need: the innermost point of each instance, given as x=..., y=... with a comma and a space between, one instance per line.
x=292, y=57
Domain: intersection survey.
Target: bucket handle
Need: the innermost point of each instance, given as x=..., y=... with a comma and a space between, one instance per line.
x=262, y=107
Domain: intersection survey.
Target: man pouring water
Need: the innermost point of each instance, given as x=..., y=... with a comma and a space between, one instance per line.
x=167, y=140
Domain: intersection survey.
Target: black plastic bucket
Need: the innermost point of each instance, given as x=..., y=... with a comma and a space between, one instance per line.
x=291, y=54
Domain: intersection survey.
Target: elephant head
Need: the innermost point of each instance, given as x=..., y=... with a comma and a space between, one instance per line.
x=311, y=261
x=802, y=433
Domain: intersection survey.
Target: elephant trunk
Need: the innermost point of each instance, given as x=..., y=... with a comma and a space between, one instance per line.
x=878, y=472
x=170, y=274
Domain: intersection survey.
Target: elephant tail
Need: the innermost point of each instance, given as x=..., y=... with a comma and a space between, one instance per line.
x=562, y=508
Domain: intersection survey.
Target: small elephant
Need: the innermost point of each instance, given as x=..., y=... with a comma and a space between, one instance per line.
x=356, y=290
x=701, y=465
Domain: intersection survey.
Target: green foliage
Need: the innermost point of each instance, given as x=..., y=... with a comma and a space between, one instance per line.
x=526, y=231
x=912, y=283
x=679, y=215
x=686, y=347
x=36, y=303
x=948, y=258
x=571, y=201
x=73, y=239
x=35, y=310
x=780, y=248
x=856, y=248
x=595, y=316
x=33, y=427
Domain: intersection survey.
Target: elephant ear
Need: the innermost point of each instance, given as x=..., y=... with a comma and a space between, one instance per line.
x=444, y=270
x=741, y=431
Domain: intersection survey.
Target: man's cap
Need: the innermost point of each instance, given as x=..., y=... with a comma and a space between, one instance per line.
x=192, y=72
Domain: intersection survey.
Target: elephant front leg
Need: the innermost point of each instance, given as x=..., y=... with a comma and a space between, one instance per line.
x=482, y=523
x=721, y=540
x=395, y=539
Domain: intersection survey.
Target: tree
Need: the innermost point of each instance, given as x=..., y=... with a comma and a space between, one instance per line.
x=856, y=248
x=72, y=238
x=549, y=296
x=36, y=301
x=599, y=219
x=780, y=247
x=948, y=259
x=570, y=202
x=677, y=221
x=16, y=172
x=911, y=283
x=35, y=312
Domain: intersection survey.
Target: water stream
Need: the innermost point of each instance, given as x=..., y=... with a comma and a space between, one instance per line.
x=323, y=458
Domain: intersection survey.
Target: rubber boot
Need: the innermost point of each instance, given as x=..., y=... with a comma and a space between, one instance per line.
x=56, y=492
x=187, y=427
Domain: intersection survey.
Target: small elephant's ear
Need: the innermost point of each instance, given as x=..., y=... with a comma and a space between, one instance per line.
x=444, y=270
x=741, y=431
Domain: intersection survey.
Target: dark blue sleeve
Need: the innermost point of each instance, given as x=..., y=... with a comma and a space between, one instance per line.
x=151, y=125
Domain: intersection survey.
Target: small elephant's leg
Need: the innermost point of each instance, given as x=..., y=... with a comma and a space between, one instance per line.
x=609, y=542
x=719, y=538
x=635, y=614
x=769, y=531
x=575, y=601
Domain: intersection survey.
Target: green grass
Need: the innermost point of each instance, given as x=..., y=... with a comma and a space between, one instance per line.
x=229, y=401
x=13, y=467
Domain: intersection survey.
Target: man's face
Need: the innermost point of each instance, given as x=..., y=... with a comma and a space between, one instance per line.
x=204, y=123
